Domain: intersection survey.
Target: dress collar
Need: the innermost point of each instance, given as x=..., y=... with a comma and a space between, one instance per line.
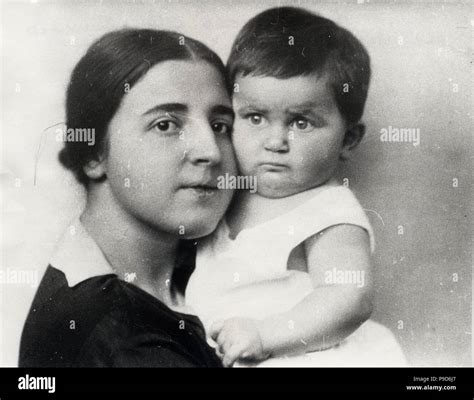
x=78, y=256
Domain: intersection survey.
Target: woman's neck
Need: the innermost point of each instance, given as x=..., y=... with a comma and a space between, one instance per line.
x=136, y=252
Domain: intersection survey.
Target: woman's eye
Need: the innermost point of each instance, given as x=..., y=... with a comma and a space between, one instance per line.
x=221, y=128
x=165, y=126
x=256, y=119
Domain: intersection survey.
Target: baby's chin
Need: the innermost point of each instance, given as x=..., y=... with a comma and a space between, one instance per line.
x=276, y=191
x=273, y=189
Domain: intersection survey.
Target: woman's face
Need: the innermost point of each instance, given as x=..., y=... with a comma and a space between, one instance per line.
x=168, y=143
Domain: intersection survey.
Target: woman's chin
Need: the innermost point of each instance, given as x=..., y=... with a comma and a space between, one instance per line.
x=197, y=229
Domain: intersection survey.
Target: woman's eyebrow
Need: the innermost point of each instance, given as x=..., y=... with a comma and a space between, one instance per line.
x=167, y=107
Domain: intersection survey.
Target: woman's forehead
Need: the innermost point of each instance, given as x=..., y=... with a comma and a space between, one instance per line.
x=178, y=82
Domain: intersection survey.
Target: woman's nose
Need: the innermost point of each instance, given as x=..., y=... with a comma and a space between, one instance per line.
x=276, y=140
x=201, y=145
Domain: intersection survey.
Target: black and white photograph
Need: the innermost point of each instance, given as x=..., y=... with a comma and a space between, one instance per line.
x=236, y=184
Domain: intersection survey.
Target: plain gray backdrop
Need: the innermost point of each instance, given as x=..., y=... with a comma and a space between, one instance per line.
x=418, y=198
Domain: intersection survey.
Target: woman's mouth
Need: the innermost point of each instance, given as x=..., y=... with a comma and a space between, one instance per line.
x=202, y=191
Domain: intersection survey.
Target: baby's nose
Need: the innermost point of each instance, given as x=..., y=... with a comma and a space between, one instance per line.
x=277, y=140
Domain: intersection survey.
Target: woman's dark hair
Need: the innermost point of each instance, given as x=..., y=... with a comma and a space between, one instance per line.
x=109, y=69
x=285, y=42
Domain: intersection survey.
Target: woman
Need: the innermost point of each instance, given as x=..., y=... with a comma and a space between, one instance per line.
x=159, y=107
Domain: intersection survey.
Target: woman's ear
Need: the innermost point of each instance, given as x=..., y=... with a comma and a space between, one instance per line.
x=95, y=169
x=352, y=138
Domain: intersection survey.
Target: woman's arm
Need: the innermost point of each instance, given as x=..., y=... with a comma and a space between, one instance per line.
x=144, y=351
x=141, y=337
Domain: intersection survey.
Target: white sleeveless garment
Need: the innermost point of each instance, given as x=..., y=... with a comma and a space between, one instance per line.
x=248, y=277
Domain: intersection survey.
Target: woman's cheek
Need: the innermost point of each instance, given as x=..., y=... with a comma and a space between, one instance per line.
x=229, y=162
x=134, y=177
x=244, y=154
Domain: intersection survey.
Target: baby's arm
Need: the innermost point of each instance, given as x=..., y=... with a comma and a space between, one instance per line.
x=333, y=310
x=323, y=318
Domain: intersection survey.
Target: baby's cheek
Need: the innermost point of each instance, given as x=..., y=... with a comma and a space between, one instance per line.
x=326, y=147
x=317, y=166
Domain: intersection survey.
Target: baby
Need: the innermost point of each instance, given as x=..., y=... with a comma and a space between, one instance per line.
x=288, y=272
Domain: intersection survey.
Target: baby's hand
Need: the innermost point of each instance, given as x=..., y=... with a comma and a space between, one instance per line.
x=238, y=338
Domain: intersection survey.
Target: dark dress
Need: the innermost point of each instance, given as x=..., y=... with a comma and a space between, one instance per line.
x=106, y=322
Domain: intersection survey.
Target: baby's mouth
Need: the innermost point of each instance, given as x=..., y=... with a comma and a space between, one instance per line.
x=272, y=166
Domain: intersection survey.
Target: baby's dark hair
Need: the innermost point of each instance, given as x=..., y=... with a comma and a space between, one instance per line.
x=286, y=42
x=110, y=67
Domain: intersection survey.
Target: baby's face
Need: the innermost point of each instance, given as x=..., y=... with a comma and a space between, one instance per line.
x=288, y=132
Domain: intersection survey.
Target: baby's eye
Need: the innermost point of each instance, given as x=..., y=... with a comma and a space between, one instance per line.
x=221, y=128
x=256, y=119
x=306, y=125
x=165, y=126
x=302, y=124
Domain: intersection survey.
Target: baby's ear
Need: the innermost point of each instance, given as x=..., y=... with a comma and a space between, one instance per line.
x=352, y=138
x=96, y=169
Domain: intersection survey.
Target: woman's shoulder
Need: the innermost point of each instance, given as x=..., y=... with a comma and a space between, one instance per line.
x=103, y=321
x=93, y=297
x=86, y=301
x=62, y=317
